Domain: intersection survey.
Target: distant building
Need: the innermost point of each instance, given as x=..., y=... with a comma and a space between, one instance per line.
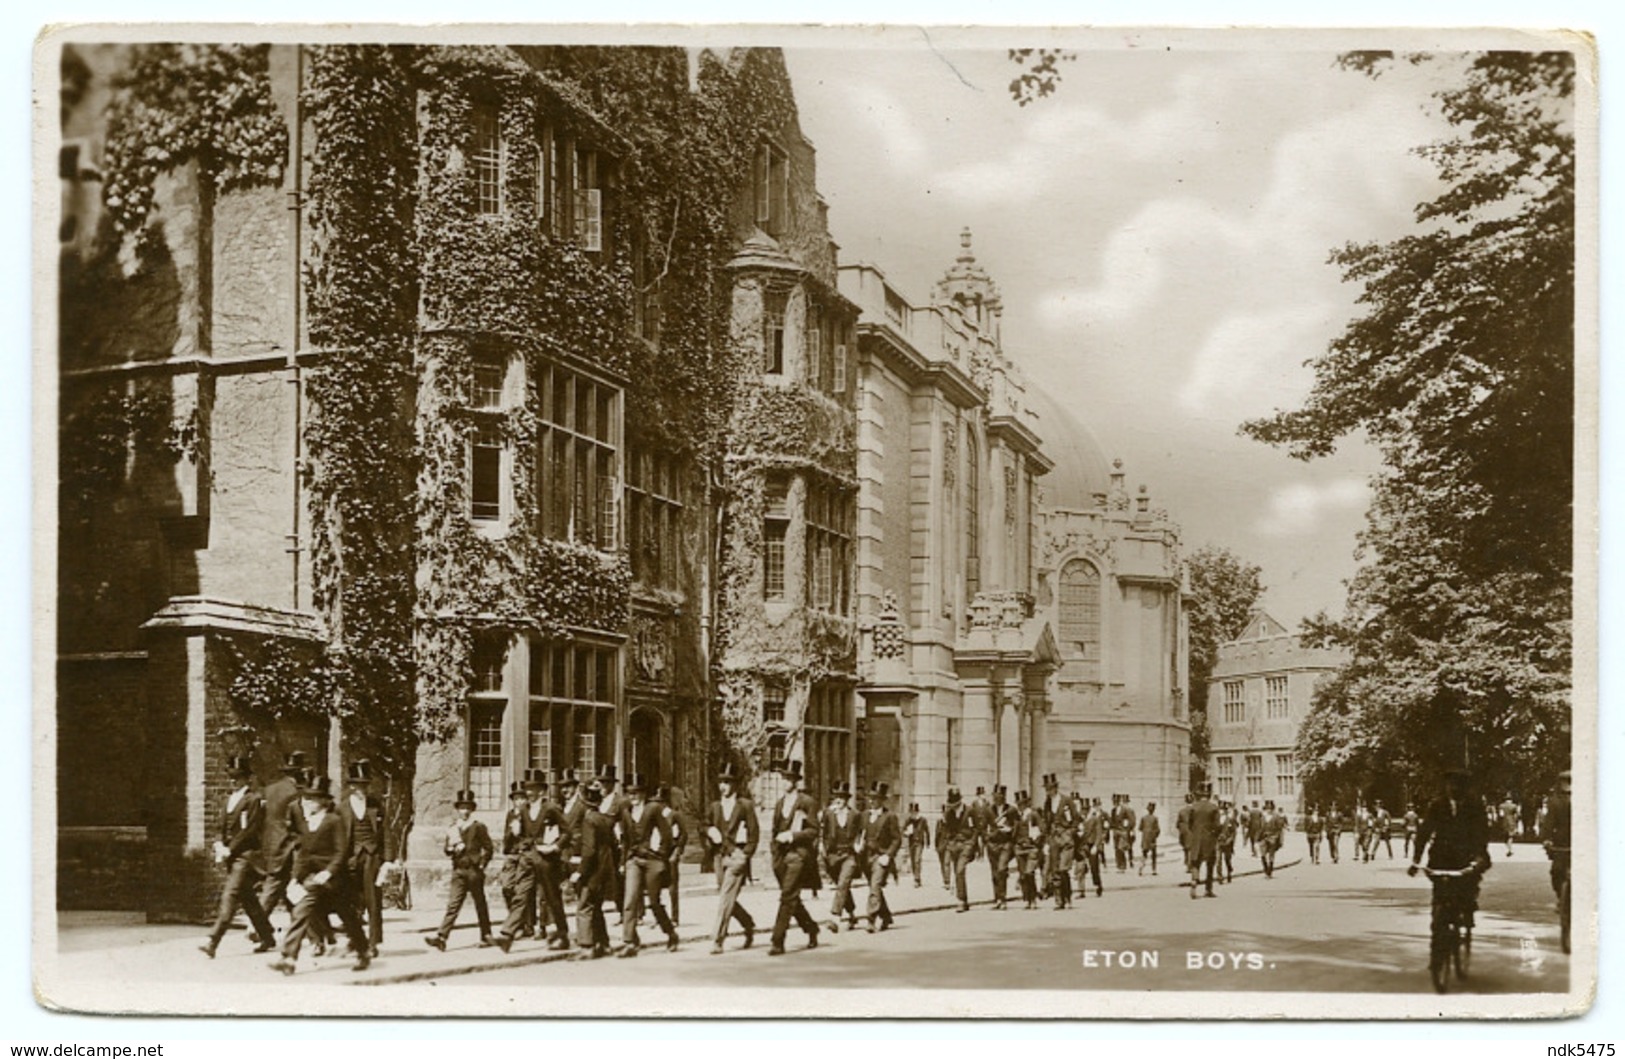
x=1258, y=697
x=1021, y=614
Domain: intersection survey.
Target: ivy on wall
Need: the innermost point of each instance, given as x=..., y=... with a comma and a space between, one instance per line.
x=182, y=103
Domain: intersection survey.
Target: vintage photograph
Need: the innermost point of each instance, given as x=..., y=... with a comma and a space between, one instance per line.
x=910, y=522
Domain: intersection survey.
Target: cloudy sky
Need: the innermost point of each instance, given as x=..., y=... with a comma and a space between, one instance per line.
x=1159, y=229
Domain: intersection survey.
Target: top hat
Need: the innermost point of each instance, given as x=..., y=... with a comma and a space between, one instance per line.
x=568, y=778
x=729, y=772
x=465, y=798
x=1000, y=790
x=981, y=791
x=841, y=789
x=359, y=772
x=536, y=778
x=634, y=782
x=879, y=789
x=516, y=789
x=1050, y=780
x=663, y=793
x=606, y=774
x=1022, y=796
x=240, y=765
x=792, y=771
x=314, y=786
x=953, y=795
x=913, y=807
x=293, y=762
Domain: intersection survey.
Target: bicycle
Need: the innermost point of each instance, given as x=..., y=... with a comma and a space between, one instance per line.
x=1451, y=946
x=1560, y=871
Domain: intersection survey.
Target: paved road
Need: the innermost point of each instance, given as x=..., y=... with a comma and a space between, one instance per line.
x=1325, y=928
x=1342, y=928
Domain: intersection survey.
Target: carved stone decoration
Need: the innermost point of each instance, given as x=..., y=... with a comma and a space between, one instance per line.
x=1009, y=494
x=651, y=648
x=890, y=635
x=1000, y=610
x=950, y=454
x=1086, y=542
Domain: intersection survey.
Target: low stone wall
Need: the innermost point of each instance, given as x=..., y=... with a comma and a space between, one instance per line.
x=101, y=869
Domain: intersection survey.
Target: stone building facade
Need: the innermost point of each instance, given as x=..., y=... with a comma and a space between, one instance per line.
x=1020, y=615
x=1262, y=686
x=480, y=409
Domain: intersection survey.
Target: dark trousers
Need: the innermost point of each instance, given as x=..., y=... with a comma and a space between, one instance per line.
x=1227, y=863
x=1089, y=867
x=1331, y=843
x=241, y=879
x=878, y=910
x=592, y=931
x=1314, y=849
x=522, y=903
x=645, y=878
x=1061, y=854
x=1026, y=867
x=732, y=880
x=314, y=908
x=364, y=873
x=1199, y=861
x=789, y=870
x=998, y=860
x=959, y=858
x=550, y=874
x=464, y=883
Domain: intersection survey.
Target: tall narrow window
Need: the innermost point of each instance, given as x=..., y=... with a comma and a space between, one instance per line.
x=775, y=528
x=815, y=351
x=1286, y=774
x=773, y=333
x=577, y=459
x=589, y=201
x=486, y=158
x=839, y=383
x=489, y=458
x=1275, y=700
x=1255, y=775
x=1225, y=766
x=1235, y=703
x=952, y=754
x=487, y=706
x=1080, y=612
x=829, y=546
x=772, y=193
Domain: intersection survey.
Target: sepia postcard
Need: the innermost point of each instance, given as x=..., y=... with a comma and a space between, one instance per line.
x=899, y=521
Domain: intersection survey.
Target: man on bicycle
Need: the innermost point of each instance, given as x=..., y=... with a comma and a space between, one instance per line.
x=1555, y=834
x=1458, y=832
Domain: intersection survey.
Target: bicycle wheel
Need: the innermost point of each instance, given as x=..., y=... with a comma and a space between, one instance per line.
x=1464, y=951
x=1439, y=957
x=1563, y=914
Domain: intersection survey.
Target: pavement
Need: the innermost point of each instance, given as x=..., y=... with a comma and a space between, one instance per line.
x=123, y=944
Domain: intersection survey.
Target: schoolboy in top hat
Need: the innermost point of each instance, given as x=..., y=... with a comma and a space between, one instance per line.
x=882, y=837
x=679, y=842
x=539, y=850
x=841, y=840
x=513, y=829
x=645, y=844
x=362, y=815
x=1028, y=848
x=238, y=848
x=958, y=839
x=468, y=844
x=732, y=832
x=917, y=833
x=319, y=871
x=1000, y=840
x=595, y=873
x=613, y=801
x=1061, y=819
x=795, y=859
x=282, y=827
x=1150, y=831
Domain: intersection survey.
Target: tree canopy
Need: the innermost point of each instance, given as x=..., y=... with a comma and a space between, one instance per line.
x=1224, y=589
x=1461, y=371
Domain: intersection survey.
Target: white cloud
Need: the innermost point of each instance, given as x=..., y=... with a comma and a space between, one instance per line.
x=1240, y=369
x=892, y=123
x=1297, y=509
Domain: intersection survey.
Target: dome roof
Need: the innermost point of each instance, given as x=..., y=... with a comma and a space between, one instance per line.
x=1081, y=469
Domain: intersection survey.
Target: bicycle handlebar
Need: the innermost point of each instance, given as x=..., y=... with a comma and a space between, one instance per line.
x=1449, y=873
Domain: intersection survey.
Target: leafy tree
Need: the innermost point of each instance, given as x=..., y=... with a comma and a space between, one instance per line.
x=1461, y=371
x=1224, y=589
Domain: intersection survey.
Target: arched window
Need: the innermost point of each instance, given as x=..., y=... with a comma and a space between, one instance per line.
x=1080, y=612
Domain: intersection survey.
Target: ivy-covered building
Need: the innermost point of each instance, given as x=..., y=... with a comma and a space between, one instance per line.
x=1020, y=616
x=466, y=409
